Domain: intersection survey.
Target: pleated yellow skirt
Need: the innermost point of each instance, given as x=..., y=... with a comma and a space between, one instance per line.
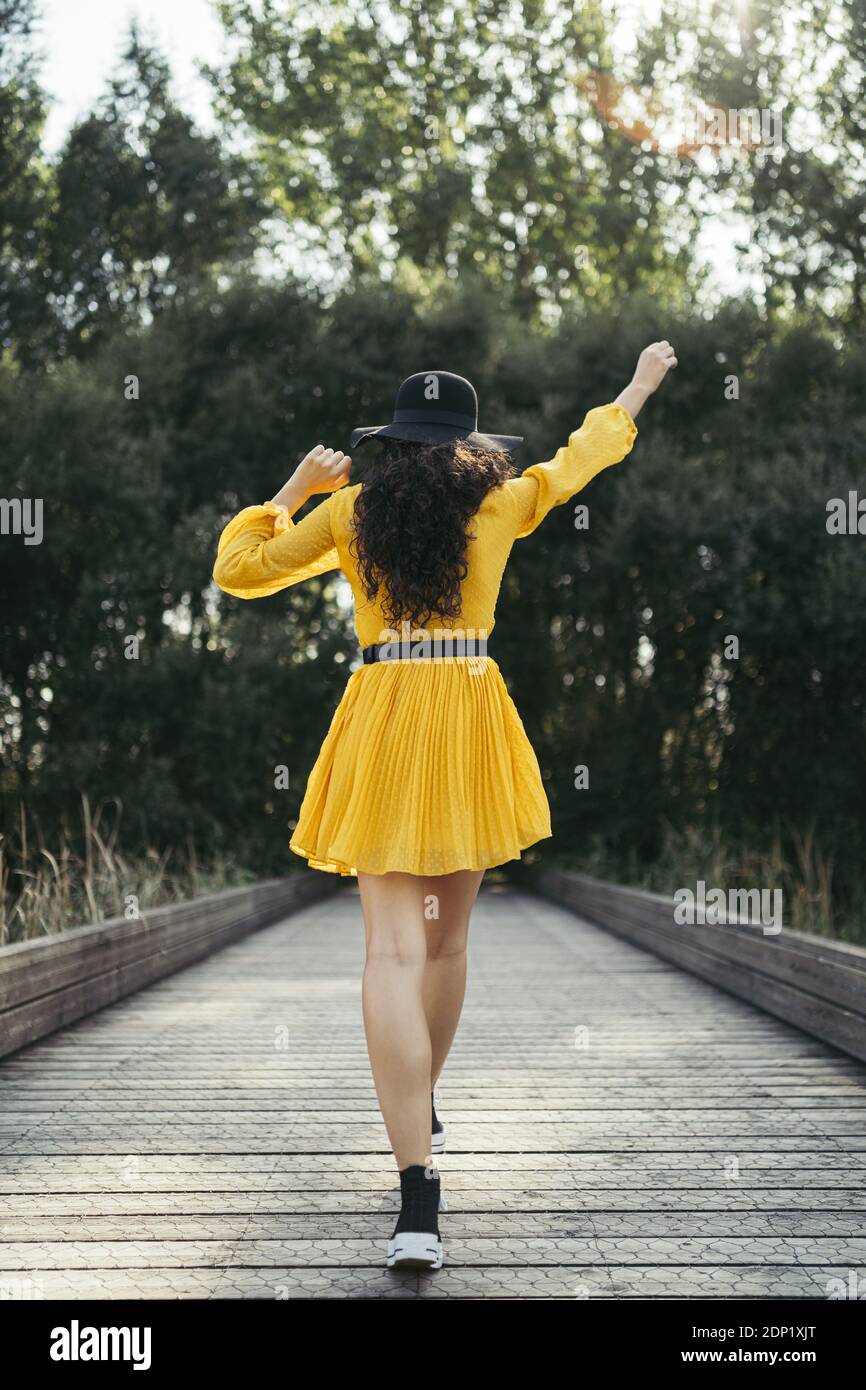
x=425, y=769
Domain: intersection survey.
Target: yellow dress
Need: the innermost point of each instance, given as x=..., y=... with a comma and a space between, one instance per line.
x=426, y=767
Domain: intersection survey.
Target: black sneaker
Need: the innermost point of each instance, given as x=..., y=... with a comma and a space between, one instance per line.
x=438, y=1137
x=416, y=1243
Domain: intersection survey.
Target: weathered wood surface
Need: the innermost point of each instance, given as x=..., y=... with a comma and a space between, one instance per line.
x=812, y=982
x=55, y=980
x=617, y=1129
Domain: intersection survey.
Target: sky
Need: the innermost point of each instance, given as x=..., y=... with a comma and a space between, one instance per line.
x=82, y=40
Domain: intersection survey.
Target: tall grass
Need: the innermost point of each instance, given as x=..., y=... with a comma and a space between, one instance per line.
x=85, y=877
x=804, y=873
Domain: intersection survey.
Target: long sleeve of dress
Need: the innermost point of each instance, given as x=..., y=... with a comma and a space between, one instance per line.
x=262, y=551
x=604, y=438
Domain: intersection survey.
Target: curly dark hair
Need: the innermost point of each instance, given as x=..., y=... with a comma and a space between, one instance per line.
x=411, y=524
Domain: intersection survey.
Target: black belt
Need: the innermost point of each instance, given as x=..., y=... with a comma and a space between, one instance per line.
x=424, y=649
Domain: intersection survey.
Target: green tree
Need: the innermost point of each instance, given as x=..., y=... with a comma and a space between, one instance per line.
x=121, y=676
x=23, y=177
x=792, y=181
x=449, y=138
x=145, y=207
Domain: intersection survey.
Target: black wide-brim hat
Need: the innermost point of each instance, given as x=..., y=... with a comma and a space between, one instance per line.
x=437, y=408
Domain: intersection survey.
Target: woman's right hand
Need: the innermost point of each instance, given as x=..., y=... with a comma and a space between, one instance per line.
x=323, y=470
x=653, y=366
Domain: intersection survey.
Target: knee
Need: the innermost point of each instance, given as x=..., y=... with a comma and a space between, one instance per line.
x=388, y=948
x=446, y=944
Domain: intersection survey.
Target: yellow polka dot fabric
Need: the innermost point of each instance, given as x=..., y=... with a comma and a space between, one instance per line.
x=426, y=767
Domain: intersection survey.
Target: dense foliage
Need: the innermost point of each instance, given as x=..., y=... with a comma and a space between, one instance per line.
x=159, y=371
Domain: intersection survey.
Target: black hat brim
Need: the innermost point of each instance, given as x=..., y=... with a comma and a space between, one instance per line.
x=421, y=433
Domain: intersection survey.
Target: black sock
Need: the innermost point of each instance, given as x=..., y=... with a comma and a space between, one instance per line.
x=419, y=1194
x=434, y=1121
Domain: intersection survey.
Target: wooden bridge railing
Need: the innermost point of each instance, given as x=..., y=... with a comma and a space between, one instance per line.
x=55, y=980
x=817, y=984
x=810, y=981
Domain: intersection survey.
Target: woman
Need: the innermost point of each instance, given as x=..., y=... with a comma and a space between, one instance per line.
x=426, y=777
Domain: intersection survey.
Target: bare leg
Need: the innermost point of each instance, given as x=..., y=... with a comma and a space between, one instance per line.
x=414, y=980
x=398, y=1039
x=449, y=900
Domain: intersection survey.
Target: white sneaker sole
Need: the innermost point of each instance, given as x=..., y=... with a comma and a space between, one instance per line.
x=414, y=1250
x=437, y=1142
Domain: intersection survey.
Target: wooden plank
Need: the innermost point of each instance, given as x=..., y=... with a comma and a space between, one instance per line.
x=618, y=1128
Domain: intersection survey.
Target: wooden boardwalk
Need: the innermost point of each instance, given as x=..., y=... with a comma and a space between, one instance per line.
x=617, y=1129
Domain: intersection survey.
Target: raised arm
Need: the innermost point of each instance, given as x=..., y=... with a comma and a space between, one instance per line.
x=262, y=551
x=604, y=438
x=652, y=367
